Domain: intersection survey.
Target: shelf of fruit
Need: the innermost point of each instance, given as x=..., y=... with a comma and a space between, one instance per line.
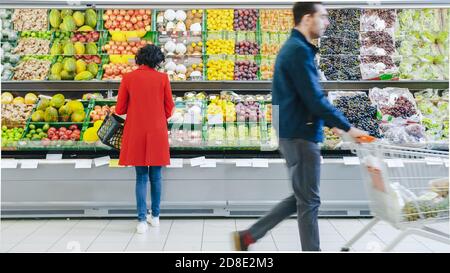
x=52, y=123
x=223, y=121
x=358, y=44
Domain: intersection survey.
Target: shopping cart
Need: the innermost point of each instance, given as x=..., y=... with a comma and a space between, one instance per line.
x=407, y=187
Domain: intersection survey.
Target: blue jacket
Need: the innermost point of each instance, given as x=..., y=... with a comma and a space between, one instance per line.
x=297, y=95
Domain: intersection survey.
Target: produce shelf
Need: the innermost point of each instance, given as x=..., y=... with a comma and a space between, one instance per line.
x=256, y=86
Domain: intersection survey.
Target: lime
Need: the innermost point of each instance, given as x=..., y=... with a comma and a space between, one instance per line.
x=39, y=131
x=46, y=127
x=32, y=127
x=32, y=132
x=4, y=128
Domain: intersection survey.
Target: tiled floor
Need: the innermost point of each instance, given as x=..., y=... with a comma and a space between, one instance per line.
x=117, y=235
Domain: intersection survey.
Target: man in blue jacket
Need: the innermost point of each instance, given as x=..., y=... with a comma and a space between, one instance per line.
x=300, y=111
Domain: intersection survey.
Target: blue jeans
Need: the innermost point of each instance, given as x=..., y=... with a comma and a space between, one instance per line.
x=142, y=175
x=303, y=162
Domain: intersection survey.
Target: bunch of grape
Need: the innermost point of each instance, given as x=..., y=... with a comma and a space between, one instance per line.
x=402, y=108
x=340, y=67
x=343, y=20
x=339, y=45
x=359, y=112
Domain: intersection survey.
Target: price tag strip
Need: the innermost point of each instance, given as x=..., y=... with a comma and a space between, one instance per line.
x=102, y=161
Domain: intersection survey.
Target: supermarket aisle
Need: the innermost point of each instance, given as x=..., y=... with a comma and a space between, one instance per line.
x=191, y=235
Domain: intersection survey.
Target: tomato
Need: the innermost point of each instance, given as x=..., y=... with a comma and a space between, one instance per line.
x=73, y=127
x=55, y=137
x=68, y=132
x=77, y=132
x=62, y=129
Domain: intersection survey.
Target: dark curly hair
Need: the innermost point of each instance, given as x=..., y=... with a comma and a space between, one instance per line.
x=150, y=55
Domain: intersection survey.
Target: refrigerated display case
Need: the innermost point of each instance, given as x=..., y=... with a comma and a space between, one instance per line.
x=224, y=153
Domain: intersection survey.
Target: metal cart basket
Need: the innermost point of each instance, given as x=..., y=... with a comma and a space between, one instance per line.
x=407, y=187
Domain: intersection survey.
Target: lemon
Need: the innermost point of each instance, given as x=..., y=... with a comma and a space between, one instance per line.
x=90, y=135
x=98, y=124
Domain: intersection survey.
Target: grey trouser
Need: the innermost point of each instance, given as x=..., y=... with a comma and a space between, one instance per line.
x=303, y=162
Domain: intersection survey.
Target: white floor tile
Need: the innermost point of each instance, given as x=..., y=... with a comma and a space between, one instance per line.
x=183, y=239
x=5, y=247
x=388, y=233
x=113, y=238
x=150, y=236
x=263, y=246
x=369, y=243
x=288, y=246
x=285, y=231
x=72, y=244
x=195, y=235
x=178, y=246
x=217, y=236
x=4, y=224
x=30, y=247
x=220, y=223
x=331, y=246
x=184, y=223
x=286, y=237
x=16, y=236
x=44, y=239
x=433, y=245
x=107, y=247
x=145, y=247
x=218, y=246
x=411, y=247
x=327, y=237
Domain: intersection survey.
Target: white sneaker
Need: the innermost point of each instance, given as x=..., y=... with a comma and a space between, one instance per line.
x=153, y=221
x=142, y=227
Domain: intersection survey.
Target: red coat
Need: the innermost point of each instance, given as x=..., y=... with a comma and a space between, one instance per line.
x=146, y=97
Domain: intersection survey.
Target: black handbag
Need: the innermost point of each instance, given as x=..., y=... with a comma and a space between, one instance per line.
x=111, y=131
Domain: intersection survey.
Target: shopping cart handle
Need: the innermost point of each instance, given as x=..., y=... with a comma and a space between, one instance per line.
x=366, y=139
x=361, y=139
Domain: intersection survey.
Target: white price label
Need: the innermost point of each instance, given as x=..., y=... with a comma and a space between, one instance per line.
x=9, y=163
x=260, y=163
x=114, y=163
x=102, y=161
x=175, y=163
x=321, y=160
x=394, y=163
x=446, y=162
x=433, y=161
x=243, y=163
x=209, y=163
x=351, y=160
x=83, y=164
x=54, y=156
x=197, y=161
x=134, y=39
x=29, y=164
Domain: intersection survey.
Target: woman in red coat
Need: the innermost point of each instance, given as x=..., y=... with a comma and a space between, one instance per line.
x=146, y=97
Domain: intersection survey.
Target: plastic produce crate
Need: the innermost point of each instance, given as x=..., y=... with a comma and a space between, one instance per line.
x=50, y=145
x=97, y=11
